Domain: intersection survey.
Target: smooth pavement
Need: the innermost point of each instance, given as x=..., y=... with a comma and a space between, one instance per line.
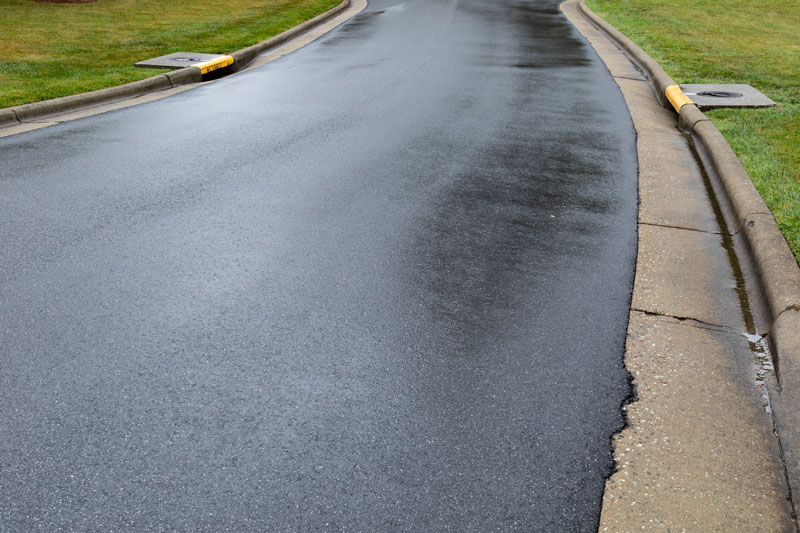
x=379, y=284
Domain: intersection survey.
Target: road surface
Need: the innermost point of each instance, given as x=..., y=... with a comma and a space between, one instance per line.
x=379, y=284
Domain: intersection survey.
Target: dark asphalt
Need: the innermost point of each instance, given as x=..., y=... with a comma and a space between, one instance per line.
x=379, y=284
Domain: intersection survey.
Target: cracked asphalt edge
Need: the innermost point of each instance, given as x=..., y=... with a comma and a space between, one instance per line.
x=27, y=117
x=776, y=269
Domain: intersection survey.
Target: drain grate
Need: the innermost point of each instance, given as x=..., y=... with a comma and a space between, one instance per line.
x=708, y=96
x=720, y=94
x=177, y=60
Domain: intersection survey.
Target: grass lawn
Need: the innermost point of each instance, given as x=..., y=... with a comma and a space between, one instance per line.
x=734, y=41
x=51, y=50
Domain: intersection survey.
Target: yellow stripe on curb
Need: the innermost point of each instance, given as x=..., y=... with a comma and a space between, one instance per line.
x=676, y=97
x=218, y=63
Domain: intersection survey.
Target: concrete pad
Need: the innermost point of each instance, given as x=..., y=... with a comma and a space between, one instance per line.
x=698, y=453
x=621, y=67
x=646, y=112
x=685, y=274
x=177, y=60
x=716, y=96
x=671, y=187
x=618, y=63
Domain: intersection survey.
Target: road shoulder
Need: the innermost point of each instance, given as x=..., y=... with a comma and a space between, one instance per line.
x=699, y=451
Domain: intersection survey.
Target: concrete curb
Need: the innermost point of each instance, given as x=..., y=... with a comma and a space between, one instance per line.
x=657, y=75
x=775, y=265
x=27, y=112
x=10, y=116
x=244, y=56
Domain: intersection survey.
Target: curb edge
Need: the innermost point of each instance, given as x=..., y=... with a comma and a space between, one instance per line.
x=774, y=263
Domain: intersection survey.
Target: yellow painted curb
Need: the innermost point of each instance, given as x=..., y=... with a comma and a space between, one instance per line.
x=676, y=97
x=218, y=63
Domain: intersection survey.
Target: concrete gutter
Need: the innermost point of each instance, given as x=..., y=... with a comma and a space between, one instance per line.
x=774, y=264
x=242, y=57
x=12, y=116
x=27, y=112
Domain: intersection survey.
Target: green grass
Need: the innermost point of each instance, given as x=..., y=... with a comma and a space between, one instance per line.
x=734, y=41
x=51, y=50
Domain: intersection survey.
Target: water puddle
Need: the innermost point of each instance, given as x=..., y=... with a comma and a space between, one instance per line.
x=763, y=362
x=762, y=358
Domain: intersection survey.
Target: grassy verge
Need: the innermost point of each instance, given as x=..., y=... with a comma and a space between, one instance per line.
x=734, y=41
x=51, y=50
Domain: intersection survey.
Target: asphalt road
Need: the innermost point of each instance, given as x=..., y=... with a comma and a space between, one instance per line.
x=379, y=284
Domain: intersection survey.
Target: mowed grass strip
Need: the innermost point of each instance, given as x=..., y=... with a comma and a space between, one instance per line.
x=52, y=50
x=734, y=41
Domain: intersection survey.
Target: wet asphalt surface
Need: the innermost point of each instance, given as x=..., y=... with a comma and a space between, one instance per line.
x=379, y=284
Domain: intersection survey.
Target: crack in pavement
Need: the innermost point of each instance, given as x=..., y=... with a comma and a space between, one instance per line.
x=654, y=224
x=694, y=322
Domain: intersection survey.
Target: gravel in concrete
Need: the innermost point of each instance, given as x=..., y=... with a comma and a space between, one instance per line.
x=698, y=454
